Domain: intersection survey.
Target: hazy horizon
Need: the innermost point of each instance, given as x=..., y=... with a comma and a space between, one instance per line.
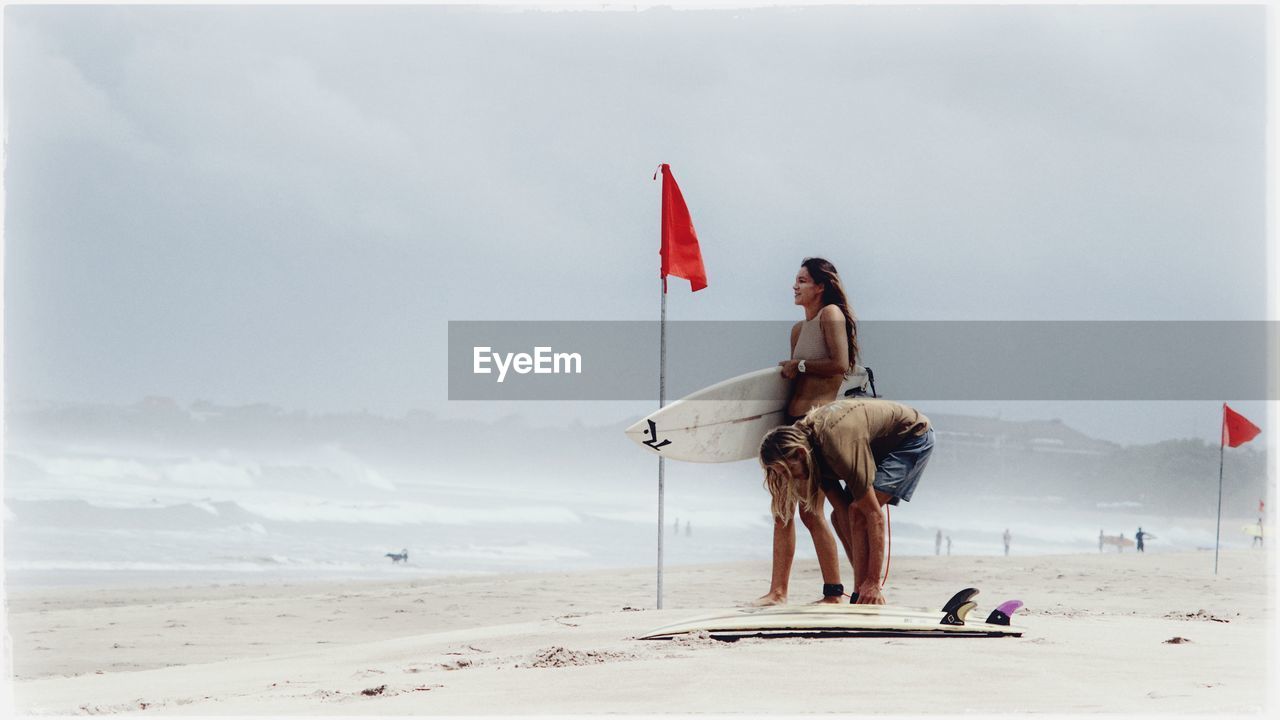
x=159, y=493
x=1201, y=420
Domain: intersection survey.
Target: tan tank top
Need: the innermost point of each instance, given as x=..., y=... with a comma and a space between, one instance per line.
x=811, y=345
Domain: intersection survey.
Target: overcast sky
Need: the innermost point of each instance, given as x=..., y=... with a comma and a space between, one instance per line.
x=287, y=204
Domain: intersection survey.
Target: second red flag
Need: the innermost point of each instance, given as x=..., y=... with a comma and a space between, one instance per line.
x=1236, y=428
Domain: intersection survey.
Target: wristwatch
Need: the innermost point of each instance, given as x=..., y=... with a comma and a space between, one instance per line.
x=800, y=367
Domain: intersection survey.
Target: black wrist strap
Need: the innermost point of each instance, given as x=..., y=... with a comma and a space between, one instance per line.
x=832, y=590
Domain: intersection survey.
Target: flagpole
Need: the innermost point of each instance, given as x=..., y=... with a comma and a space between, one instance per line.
x=662, y=401
x=682, y=258
x=1222, y=441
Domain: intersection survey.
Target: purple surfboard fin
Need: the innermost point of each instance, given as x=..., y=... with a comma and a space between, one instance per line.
x=1001, y=615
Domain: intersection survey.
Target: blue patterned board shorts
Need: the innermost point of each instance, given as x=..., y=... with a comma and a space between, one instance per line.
x=899, y=472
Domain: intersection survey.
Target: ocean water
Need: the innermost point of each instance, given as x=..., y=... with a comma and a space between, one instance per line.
x=93, y=518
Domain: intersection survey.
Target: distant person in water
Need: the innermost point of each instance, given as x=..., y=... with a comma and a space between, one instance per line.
x=1101, y=538
x=824, y=348
x=876, y=448
x=1140, y=537
x=1007, y=539
x=937, y=543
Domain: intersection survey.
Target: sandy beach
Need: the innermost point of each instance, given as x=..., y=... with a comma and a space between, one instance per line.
x=1098, y=632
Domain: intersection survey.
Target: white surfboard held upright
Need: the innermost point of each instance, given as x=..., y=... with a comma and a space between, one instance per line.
x=724, y=422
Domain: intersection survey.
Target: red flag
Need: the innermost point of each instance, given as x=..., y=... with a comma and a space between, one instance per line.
x=680, y=253
x=1236, y=428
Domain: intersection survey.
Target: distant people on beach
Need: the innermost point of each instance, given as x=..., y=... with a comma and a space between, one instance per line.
x=948, y=546
x=1257, y=539
x=1007, y=539
x=1118, y=540
x=937, y=543
x=1140, y=536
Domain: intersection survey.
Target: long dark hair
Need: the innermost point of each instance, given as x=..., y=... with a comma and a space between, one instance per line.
x=824, y=274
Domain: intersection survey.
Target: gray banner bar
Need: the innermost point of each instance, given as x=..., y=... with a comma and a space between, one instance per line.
x=912, y=360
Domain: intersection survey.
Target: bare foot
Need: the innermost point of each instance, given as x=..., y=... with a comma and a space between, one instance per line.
x=770, y=598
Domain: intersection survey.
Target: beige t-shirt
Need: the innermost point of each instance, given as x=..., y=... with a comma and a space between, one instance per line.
x=851, y=434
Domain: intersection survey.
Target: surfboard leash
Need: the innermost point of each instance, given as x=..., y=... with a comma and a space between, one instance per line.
x=888, y=553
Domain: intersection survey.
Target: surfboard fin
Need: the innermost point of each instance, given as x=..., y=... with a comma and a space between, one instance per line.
x=953, y=609
x=1001, y=615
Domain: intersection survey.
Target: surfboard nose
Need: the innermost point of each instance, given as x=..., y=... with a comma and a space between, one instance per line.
x=639, y=431
x=643, y=431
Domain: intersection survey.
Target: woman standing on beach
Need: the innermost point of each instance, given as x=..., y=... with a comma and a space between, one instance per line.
x=824, y=346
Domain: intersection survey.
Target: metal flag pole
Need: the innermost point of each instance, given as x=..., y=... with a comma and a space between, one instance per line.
x=662, y=401
x=1222, y=441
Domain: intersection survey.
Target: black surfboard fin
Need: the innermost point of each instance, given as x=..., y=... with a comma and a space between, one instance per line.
x=953, y=613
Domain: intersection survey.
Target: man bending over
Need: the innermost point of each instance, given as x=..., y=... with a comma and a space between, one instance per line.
x=878, y=448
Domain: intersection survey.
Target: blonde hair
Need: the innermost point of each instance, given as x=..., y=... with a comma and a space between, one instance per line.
x=779, y=445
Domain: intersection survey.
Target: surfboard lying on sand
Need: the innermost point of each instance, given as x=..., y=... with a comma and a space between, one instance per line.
x=850, y=620
x=726, y=421
x=1117, y=540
